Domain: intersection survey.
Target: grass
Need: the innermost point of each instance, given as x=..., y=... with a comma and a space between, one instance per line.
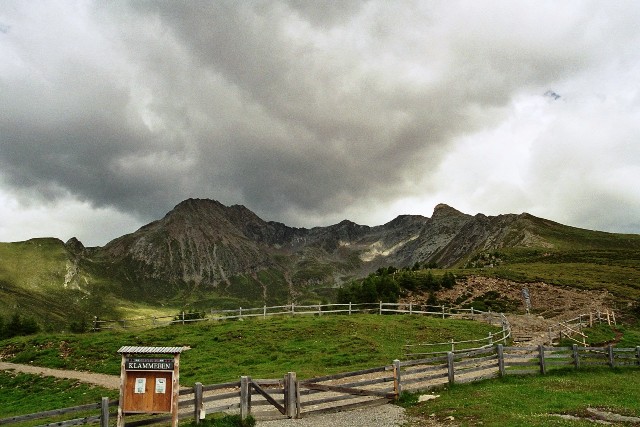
x=25, y=394
x=265, y=348
x=530, y=401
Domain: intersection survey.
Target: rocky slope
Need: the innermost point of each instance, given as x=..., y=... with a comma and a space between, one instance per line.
x=204, y=243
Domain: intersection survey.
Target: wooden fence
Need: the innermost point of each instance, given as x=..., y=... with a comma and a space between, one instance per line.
x=289, y=309
x=292, y=398
x=573, y=329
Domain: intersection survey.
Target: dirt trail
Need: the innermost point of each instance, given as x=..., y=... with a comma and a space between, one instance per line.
x=102, y=380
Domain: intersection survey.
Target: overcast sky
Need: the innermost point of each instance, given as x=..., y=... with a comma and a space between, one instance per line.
x=310, y=112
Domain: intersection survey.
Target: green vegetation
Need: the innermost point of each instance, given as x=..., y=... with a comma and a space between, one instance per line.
x=225, y=421
x=26, y=394
x=262, y=348
x=387, y=284
x=615, y=270
x=533, y=400
x=17, y=326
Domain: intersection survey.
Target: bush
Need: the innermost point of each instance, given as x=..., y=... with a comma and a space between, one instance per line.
x=226, y=421
x=18, y=326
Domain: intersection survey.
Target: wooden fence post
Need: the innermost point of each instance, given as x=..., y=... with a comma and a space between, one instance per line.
x=104, y=412
x=293, y=308
x=380, y=311
x=240, y=312
x=443, y=311
x=543, y=368
x=501, y=360
x=290, y=394
x=198, y=406
x=410, y=308
x=245, y=397
x=397, y=385
x=264, y=311
x=612, y=362
x=349, y=308
x=576, y=356
x=450, y=368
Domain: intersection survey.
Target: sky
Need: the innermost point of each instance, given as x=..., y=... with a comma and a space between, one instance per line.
x=311, y=112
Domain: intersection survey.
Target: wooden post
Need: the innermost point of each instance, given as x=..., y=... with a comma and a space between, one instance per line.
x=290, y=394
x=576, y=356
x=472, y=313
x=349, y=308
x=450, y=368
x=240, y=312
x=612, y=362
x=104, y=412
x=591, y=319
x=410, y=308
x=543, y=368
x=123, y=380
x=453, y=345
x=245, y=397
x=608, y=318
x=293, y=308
x=380, y=312
x=443, y=311
x=175, y=390
x=319, y=310
x=490, y=338
x=613, y=317
x=501, y=360
x=264, y=311
x=397, y=385
x=198, y=405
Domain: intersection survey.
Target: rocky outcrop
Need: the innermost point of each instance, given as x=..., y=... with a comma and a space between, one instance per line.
x=203, y=242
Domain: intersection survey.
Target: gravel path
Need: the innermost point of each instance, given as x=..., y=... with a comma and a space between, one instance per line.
x=379, y=416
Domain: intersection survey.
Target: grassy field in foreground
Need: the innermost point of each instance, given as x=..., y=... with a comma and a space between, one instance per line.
x=262, y=348
x=25, y=394
x=530, y=401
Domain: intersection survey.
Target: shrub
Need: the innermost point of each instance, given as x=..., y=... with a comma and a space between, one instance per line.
x=226, y=421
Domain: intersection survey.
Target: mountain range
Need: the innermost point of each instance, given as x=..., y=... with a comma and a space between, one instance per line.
x=203, y=251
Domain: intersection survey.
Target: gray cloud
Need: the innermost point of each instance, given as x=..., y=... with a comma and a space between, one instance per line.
x=300, y=110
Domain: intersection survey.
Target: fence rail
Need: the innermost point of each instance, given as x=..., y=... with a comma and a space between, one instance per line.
x=292, y=398
x=289, y=309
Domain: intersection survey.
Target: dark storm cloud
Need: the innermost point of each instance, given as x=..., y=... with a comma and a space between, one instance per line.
x=296, y=109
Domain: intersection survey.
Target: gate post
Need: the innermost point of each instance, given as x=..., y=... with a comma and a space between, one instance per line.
x=104, y=412
x=290, y=395
x=543, y=368
x=450, y=368
x=500, y=351
x=197, y=405
x=397, y=385
x=245, y=397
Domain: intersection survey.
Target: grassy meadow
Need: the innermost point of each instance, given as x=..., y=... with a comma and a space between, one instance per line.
x=535, y=400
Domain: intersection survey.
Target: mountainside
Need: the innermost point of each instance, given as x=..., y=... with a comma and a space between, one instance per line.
x=204, y=252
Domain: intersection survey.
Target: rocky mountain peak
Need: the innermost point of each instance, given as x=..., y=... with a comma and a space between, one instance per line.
x=443, y=210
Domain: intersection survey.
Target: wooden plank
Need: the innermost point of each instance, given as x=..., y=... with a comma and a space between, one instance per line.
x=349, y=407
x=268, y=397
x=425, y=379
x=349, y=374
x=414, y=371
x=347, y=390
x=74, y=422
x=476, y=360
x=221, y=396
x=45, y=414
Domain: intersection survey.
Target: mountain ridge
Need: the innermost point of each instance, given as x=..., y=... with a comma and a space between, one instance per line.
x=205, y=251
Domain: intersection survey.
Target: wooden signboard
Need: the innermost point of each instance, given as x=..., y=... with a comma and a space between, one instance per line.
x=149, y=384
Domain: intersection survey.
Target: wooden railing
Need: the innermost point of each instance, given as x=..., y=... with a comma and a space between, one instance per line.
x=289, y=309
x=293, y=398
x=573, y=329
